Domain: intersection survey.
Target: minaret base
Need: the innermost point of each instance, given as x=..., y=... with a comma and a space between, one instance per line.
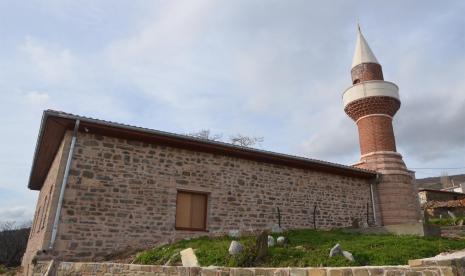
x=397, y=195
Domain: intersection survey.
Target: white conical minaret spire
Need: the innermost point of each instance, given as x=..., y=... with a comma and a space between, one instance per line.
x=363, y=52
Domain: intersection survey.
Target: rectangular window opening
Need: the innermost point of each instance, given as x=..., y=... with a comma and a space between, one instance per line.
x=191, y=211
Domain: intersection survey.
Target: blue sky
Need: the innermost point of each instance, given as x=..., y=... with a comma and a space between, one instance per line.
x=263, y=68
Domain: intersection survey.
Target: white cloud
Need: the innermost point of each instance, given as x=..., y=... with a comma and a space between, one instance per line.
x=37, y=98
x=19, y=215
x=53, y=63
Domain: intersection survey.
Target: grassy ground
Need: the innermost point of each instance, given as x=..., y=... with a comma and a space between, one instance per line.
x=7, y=271
x=446, y=221
x=308, y=248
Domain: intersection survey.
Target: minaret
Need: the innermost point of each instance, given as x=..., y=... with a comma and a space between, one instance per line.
x=372, y=103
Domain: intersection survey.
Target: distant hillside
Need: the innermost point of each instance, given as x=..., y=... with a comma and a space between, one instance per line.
x=435, y=182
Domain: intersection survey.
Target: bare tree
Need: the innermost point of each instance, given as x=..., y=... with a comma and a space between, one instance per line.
x=238, y=139
x=245, y=141
x=205, y=134
x=13, y=242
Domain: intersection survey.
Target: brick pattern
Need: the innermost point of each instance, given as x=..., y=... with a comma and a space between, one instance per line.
x=122, y=193
x=372, y=105
x=46, y=205
x=397, y=197
x=417, y=268
x=376, y=134
x=366, y=72
x=397, y=190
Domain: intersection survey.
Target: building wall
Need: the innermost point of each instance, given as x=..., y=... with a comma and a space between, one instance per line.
x=427, y=196
x=397, y=191
x=415, y=267
x=122, y=194
x=46, y=205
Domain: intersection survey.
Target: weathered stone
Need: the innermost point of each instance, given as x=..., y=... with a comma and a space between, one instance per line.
x=188, y=258
x=335, y=251
x=298, y=272
x=207, y=271
x=360, y=272
x=376, y=271
x=264, y=271
x=270, y=241
x=348, y=256
x=235, y=248
x=317, y=272
x=241, y=272
x=281, y=272
x=413, y=273
x=340, y=272
x=282, y=241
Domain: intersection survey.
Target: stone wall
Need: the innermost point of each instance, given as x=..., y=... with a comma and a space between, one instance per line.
x=46, y=205
x=428, y=195
x=122, y=194
x=419, y=268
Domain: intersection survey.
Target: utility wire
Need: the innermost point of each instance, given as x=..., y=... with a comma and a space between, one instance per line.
x=456, y=168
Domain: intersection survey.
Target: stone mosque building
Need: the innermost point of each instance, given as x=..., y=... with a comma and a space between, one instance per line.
x=105, y=187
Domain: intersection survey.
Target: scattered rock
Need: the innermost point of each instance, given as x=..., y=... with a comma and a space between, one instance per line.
x=276, y=229
x=348, y=256
x=271, y=241
x=300, y=247
x=235, y=248
x=188, y=258
x=335, y=251
x=364, y=224
x=234, y=234
x=282, y=241
x=262, y=246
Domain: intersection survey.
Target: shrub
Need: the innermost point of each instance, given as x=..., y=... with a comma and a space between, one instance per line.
x=446, y=221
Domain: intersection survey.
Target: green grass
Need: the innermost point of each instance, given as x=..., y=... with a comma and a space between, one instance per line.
x=446, y=221
x=308, y=248
x=7, y=271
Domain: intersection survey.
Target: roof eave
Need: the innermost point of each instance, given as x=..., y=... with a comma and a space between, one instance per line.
x=195, y=142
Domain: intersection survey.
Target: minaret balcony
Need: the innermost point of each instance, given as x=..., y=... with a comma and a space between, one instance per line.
x=374, y=88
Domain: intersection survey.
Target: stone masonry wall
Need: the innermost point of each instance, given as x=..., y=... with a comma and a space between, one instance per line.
x=46, y=205
x=122, y=194
x=446, y=268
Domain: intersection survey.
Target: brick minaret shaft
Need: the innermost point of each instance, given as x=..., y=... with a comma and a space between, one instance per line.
x=372, y=103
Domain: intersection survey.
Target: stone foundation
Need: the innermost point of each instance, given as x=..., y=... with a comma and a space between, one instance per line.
x=416, y=267
x=397, y=193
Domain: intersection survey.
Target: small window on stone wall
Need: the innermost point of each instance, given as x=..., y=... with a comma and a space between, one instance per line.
x=191, y=211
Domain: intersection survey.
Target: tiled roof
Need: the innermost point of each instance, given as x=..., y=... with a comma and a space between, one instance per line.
x=446, y=204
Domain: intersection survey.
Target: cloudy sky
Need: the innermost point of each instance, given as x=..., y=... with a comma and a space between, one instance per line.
x=263, y=68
